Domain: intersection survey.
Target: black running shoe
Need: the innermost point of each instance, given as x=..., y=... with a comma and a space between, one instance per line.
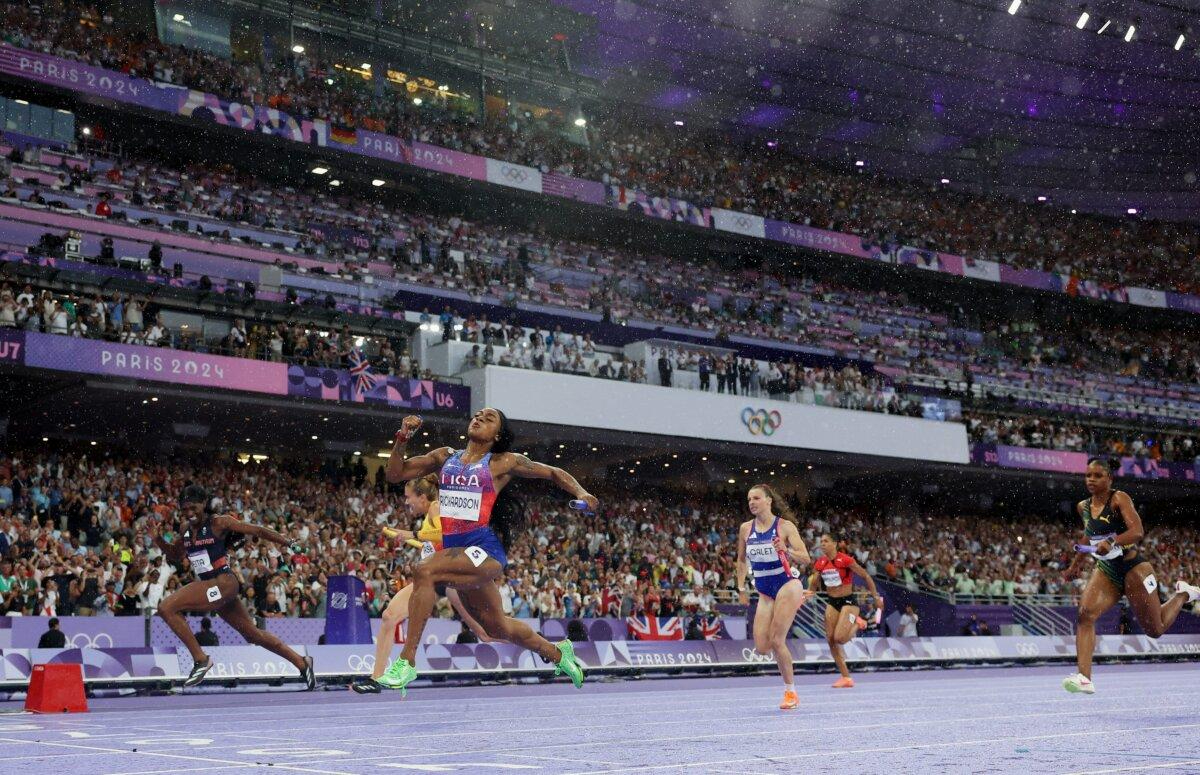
x=309, y=675
x=366, y=686
x=199, y=670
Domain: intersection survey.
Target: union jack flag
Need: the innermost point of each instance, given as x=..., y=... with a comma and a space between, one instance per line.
x=710, y=627
x=655, y=627
x=360, y=370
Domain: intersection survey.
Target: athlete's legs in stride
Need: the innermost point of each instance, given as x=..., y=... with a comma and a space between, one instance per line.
x=783, y=613
x=1141, y=587
x=835, y=649
x=396, y=612
x=1099, y=595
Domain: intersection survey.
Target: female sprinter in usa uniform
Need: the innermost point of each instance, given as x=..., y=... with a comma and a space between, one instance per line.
x=474, y=509
x=420, y=496
x=205, y=541
x=1113, y=528
x=772, y=547
x=835, y=569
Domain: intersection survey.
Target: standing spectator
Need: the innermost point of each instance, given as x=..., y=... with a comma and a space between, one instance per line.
x=206, y=636
x=664, y=369
x=908, y=623
x=53, y=638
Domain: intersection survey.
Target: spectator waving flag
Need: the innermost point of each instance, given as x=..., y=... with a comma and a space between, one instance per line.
x=360, y=370
x=655, y=627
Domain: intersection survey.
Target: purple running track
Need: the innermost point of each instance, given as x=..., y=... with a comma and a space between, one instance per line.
x=999, y=720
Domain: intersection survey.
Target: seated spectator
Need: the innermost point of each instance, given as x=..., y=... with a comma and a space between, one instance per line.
x=206, y=636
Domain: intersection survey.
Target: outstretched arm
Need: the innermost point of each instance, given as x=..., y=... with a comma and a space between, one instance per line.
x=229, y=523
x=524, y=468
x=861, y=572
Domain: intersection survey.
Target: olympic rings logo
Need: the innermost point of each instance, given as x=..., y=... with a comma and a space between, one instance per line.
x=514, y=174
x=359, y=664
x=742, y=222
x=81, y=640
x=761, y=422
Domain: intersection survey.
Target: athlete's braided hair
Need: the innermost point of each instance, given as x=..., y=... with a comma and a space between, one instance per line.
x=508, y=511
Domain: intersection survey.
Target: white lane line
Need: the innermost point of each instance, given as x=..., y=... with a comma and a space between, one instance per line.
x=888, y=749
x=490, y=723
x=957, y=720
x=250, y=765
x=207, y=759
x=1166, y=766
x=554, y=758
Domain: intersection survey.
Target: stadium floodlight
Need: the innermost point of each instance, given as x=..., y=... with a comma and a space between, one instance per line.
x=319, y=170
x=87, y=131
x=1132, y=211
x=678, y=122
x=1129, y=33
x=860, y=163
x=377, y=182
x=335, y=182
x=1013, y=7
x=21, y=102
x=1104, y=26
x=1083, y=19
x=945, y=181
x=1179, y=42
x=297, y=49
x=1041, y=199
x=366, y=65
x=178, y=17
x=581, y=121
x=417, y=100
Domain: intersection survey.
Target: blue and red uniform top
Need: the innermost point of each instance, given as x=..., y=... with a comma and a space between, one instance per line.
x=466, y=494
x=207, y=554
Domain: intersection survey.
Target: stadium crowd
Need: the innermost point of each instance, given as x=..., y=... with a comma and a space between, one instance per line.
x=703, y=166
x=894, y=341
x=74, y=539
x=1049, y=433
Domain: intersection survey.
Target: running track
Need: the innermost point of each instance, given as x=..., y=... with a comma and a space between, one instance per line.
x=1145, y=718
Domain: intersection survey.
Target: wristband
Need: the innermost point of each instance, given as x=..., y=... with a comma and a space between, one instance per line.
x=402, y=437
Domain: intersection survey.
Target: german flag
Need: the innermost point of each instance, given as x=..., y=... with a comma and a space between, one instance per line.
x=340, y=134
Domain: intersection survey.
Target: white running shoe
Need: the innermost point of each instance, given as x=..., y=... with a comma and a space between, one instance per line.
x=1079, y=683
x=1193, y=592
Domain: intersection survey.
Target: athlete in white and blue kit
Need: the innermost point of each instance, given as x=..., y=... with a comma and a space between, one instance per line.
x=771, y=545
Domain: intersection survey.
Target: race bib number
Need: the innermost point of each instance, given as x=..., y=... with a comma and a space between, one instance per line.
x=1150, y=583
x=476, y=555
x=214, y=593
x=831, y=577
x=463, y=506
x=761, y=553
x=200, y=562
x=427, y=549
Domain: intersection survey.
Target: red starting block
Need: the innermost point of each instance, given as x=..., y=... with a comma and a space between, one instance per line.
x=56, y=689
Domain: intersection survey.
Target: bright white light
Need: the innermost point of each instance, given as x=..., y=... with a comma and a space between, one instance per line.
x=297, y=49
x=329, y=81
x=417, y=100
x=314, y=438
x=678, y=122
x=335, y=182
x=1014, y=6
x=581, y=121
x=1041, y=199
x=1179, y=42
x=366, y=65
x=87, y=131
x=1083, y=20
x=319, y=170
x=1129, y=33
x=859, y=163
x=945, y=181
x=178, y=17
x=1104, y=26
x=377, y=182
x=1073, y=212
x=21, y=102
x=1132, y=211
x=358, y=341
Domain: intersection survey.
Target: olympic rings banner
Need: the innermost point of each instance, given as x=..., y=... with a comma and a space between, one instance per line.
x=80, y=631
x=179, y=367
x=761, y=422
x=132, y=665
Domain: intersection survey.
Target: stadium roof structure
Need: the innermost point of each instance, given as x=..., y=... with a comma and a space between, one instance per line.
x=1034, y=102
